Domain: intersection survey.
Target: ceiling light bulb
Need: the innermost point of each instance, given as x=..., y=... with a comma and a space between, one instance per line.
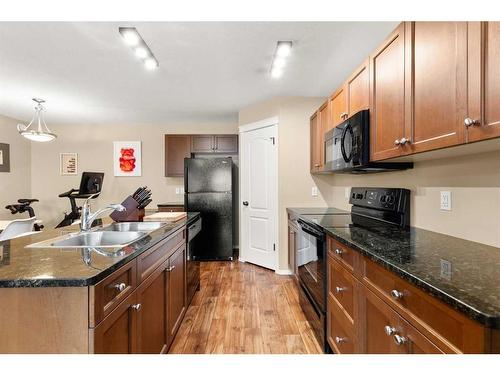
x=131, y=37
x=141, y=52
x=279, y=62
x=276, y=72
x=284, y=49
x=151, y=64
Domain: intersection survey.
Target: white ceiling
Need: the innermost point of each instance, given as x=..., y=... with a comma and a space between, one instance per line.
x=208, y=70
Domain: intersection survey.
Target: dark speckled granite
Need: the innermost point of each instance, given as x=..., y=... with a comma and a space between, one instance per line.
x=46, y=267
x=471, y=286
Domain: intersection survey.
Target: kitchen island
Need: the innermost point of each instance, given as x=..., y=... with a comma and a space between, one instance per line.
x=128, y=299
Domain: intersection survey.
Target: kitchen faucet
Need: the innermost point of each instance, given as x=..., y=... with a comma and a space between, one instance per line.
x=89, y=217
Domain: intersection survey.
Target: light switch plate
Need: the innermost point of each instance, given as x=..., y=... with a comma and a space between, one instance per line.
x=445, y=200
x=314, y=191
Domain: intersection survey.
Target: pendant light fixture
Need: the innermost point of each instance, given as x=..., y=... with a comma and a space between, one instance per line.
x=37, y=129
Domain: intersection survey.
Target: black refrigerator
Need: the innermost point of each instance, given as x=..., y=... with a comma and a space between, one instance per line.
x=208, y=189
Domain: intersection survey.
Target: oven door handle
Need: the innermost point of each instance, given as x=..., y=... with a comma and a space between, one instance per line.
x=309, y=230
x=348, y=127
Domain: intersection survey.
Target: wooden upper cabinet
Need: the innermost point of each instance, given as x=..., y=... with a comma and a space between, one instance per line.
x=177, y=147
x=338, y=107
x=222, y=143
x=387, y=97
x=484, y=80
x=226, y=144
x=202, y=143
x=315, y=132
x=358, y=90
x=436, y=73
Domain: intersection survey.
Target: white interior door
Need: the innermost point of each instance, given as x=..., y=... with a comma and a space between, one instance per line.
x=258, y=199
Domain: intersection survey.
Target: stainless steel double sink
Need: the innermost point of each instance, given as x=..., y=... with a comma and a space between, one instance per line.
x=113, y=235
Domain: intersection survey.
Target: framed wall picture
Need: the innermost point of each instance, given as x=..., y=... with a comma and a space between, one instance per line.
x=4, y=157
x=68, y=164
x=127, y=159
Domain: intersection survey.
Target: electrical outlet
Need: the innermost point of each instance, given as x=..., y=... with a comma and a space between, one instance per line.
x=347, y=192
x=314, y=191
x=446, y=200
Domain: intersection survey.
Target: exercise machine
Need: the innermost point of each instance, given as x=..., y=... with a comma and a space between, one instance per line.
x=22, y=206
x=90, y=187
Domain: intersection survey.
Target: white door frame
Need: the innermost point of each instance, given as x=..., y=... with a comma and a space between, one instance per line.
x=268, y=122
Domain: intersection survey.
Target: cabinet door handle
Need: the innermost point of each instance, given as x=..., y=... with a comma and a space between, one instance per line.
x=396, y=294
x=338, y=251
x=170, y=269
x=470, y=122
x=136, y=306
x=245, y=203
x=397, y=142
x=120, y=287
x=340, y=340
x=400, y=340
x=405, y=141
x=340, y=289
x=389, y=331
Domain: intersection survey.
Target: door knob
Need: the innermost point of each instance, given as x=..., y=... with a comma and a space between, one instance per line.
x=470, y=122
x=396, y=294
x=245, y=203
x=397, y=142
x=137, y=306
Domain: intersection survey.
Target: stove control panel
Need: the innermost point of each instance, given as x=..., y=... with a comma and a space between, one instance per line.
x=389, y=199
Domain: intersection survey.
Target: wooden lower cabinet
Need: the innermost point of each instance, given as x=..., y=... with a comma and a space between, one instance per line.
x=363, y=316
x=147, y=320
x=176, y=292
x=152, y=315
x=386, y=332
x=116, y=333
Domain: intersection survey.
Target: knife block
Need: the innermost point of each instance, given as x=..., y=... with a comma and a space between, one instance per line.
x=131, y=213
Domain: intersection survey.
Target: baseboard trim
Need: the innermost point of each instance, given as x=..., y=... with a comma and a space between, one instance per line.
x=284, y=272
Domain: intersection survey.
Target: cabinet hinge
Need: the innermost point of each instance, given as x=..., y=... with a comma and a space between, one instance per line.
x=272, y=139
x=274, y=247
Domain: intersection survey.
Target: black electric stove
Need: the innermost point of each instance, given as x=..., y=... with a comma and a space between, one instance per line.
x=371, y=208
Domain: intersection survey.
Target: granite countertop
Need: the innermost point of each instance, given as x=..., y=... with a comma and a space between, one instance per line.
x=463, y=274
x=58, y=267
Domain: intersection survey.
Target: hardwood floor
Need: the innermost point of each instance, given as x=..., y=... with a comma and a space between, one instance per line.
x=242, y=308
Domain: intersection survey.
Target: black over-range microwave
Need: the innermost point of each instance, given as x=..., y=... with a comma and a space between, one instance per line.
x=347, y=148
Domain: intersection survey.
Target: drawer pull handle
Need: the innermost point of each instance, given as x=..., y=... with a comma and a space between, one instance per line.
x=389, y=331
x=340, y=340
x=396, y=294
x=120, y=287
x=136, y=307
x=340, y=289
x=338, y=251
x=400, y=340
x=170, y=269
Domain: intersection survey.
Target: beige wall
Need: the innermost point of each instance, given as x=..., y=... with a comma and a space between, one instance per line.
x=474, y=180
x=16, y=184
x=94, y=145
x=294, y=180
